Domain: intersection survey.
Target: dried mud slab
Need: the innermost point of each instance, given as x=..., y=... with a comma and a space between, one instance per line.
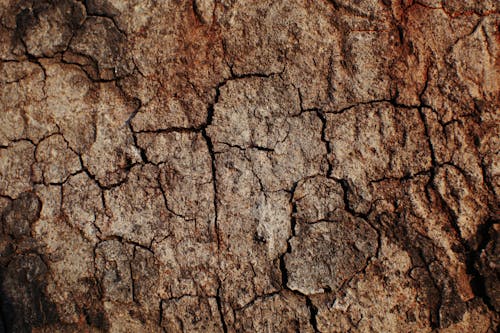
x=236, y=166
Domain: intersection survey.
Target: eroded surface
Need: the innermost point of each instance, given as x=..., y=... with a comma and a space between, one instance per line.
x=226, y=166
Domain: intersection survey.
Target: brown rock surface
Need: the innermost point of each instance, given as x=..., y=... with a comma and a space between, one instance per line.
x=236, y=166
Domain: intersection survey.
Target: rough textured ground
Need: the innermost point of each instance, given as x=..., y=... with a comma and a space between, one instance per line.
x=249, y=166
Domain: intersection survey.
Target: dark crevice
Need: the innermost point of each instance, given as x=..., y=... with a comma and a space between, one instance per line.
x=173, y=129
x=473, y=258
x=138, y=106
x=293, y=219
x=144, y=157
x=313, y=312
x=132, y=282
x=345, y=189
x=160, y=313
x=126, y=241
x=211, y=151
x=301, y=101
x=391, y=101
x=165, y=202
x=404, y=178
x=255, y=299
x=197, y=11
x=214, y=182
x=284, y=272
x=266, y=149
x=428, y=137
x=235, y=76
x=142, y=151
x=293, y=223
x=98, y=183
x=327, y=142
x=221, y=310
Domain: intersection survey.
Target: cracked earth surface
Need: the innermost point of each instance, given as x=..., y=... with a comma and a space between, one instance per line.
x=232, y=166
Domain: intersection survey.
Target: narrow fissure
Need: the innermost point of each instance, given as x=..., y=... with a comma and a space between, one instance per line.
x=221, y=310
x=313, y=312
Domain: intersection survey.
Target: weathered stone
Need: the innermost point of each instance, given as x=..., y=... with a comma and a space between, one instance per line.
x=20, y=214
x=46, y=27
x=185, y=169
x=283, y=312
x=236, y=166
x=114, y=271
x=20, y=82
x=136, y=209
x=191, y=314
x=318, y=198
x=371, y=142
x=101, y=40
x=15, y=168
x=56, y=160
x=69, y=256
x=399, y=304
x=82, y=204
x=68, y=109
x=325, y=255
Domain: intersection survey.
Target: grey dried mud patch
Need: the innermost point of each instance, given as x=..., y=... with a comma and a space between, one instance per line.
x=232, y=166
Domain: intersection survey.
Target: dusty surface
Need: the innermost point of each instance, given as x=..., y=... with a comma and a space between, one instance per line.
x=237, y=166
